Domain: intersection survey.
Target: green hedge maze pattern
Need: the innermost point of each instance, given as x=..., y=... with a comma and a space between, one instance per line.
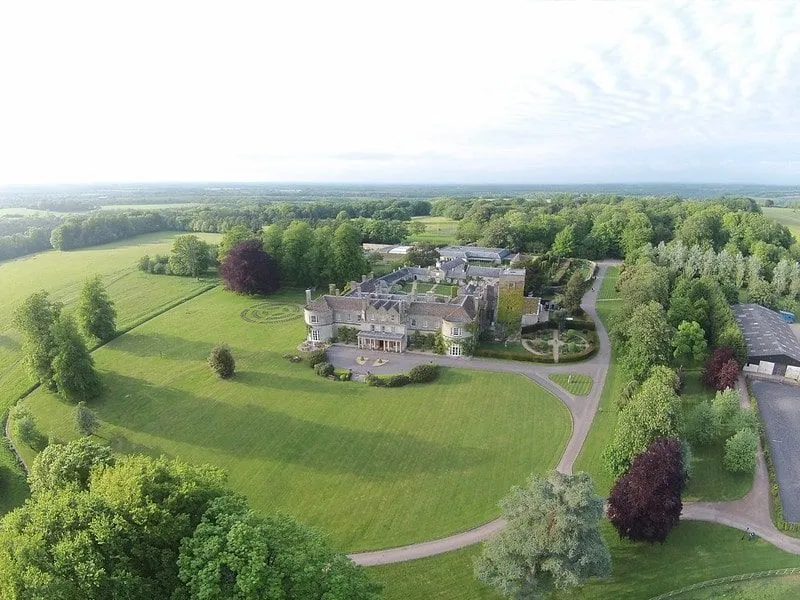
x=269, y=312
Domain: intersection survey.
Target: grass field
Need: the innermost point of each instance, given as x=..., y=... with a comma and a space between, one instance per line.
x=575, y=383
x=374, y=467
x=694, y=552
x=769, y=588
x=438, y=230
x=787, y=216
x=62, y=274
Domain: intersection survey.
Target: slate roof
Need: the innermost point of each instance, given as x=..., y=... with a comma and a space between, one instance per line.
x=474, y=252
x=765, y=332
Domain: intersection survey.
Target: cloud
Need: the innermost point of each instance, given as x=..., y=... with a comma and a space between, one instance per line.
x=412, y=91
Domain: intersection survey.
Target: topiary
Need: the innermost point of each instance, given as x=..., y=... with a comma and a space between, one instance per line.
x=221, y=361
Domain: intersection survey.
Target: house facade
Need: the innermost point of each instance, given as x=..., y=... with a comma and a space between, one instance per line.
x=389, y=312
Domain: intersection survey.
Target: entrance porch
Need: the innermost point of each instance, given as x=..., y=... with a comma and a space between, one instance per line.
x=381, y=340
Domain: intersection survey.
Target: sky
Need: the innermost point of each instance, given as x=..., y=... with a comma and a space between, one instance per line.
x=410, y=92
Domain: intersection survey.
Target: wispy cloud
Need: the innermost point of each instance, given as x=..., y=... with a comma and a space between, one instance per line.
x=411, y=91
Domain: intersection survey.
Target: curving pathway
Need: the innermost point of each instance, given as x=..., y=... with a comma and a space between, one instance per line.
x=750, y=512
x=581, y=409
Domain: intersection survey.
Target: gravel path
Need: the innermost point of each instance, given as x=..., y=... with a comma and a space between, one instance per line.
x=581, y=409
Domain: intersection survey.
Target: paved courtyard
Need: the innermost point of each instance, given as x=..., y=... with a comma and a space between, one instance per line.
x=779, y=405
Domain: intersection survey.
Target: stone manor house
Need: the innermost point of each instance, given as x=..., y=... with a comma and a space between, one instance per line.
x=386, y=311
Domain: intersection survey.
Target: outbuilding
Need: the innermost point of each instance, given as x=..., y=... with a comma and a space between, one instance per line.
x=772, y=346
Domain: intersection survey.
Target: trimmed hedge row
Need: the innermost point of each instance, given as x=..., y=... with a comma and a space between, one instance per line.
x=418, y=374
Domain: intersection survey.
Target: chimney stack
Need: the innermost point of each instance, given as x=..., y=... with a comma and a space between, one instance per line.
x=331, y=289
x=363, y=278
x=308, y=296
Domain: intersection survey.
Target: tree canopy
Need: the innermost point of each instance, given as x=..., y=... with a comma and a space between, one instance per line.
x=96, y=313
x=551, y=541
x=190, y=256
x=645, y=503
x=248, y=269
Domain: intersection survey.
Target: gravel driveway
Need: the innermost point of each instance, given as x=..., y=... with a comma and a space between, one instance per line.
x=780, y=411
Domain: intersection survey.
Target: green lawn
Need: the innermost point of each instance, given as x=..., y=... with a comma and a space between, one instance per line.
x=786, y=216
x=768, y=588
x=576, y=384
x=710, y=481
x=607, y=291
x=374, y=467
x=438, y=230
x=62, y=274
x=694, y=552
x=590, y=459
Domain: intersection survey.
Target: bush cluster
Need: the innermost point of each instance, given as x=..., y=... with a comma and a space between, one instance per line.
x=423, y=373
x=721, y=370
x=347, y=335
x=157, y=265
x=388, y=380
x=313, y=358
x=323, y=369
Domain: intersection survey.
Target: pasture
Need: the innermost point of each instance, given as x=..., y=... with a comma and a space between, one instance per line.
x=373, y=467
x=62, y=274
x=438, y=230
x=694, y=552
x=786, y=216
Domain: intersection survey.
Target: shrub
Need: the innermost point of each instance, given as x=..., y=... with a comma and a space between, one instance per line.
x=315, y=357
x=221, y=361
x=423, y=373
x=24, y=427
x=323, y=369
x=159, y=269
x=726, y=407
x=388, y=380
x=721, y=370
x=745, y=419
x=700, y=425
x=740, y=452
x=343, y=374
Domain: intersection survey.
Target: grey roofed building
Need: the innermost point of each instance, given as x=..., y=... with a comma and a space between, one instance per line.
x=768, y=337
x=495, y=255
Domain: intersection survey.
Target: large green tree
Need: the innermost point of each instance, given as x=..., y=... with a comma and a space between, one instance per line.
x=644, y=338
x=573, y=292
x=190, y=256
x=690, y=342
x=654, y=411
x=564, y=243
x=35, y=318
x=69, y=545
x=234, y=554
x=348, y=255
x=96, y=313
x=552, y=539
x=297, y=254
x=644, y=282
x=233, y=237
x=423, y=254
x=62, y=465
x=73, y=367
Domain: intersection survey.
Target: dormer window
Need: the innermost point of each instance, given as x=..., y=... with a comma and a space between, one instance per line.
x=313, y=319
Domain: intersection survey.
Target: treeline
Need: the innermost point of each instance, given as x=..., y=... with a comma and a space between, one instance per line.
x=611, y=226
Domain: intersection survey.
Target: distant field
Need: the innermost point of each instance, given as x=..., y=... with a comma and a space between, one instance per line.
x=694, y=552
x=787, y=216
x=150, y=206
x=62, y=274
x=374, y=467
x=438, y=230
x=4, y=212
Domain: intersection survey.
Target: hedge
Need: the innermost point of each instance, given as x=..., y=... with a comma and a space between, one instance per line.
x=418, y=374
x=423, y=373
